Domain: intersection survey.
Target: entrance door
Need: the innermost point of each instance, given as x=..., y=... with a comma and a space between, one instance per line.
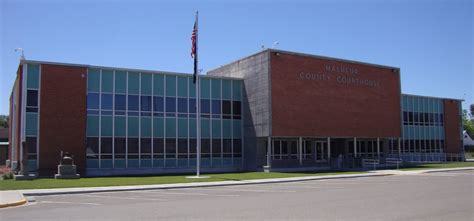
x=321, y=151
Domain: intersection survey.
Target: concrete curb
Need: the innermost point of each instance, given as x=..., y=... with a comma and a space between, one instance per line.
x=44, y=192
x=14, y=203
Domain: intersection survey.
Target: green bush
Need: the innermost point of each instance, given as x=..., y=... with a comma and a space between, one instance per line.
x=8, y=175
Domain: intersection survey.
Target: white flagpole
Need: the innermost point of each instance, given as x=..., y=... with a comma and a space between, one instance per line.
x=198, y=106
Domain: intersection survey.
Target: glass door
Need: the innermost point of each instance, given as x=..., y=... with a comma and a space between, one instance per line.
x=321, y=151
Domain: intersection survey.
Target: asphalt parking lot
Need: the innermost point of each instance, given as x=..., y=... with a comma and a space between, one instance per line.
x=430, y=196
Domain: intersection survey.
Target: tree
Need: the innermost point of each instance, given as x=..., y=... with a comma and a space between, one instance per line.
x=468, y=124
x=3, y=121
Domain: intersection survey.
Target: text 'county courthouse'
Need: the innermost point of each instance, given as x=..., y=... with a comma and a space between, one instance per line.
x=275, y=108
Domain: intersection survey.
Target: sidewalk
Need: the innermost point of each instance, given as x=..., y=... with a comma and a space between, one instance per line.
x=13, y=198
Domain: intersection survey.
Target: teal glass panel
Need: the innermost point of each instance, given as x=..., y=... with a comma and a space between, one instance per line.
x=192, y=88
x=120, y=164
x=192, y=162
x=216, y=88
x=226, y=128
x=192, y=128
x=216, y=162
x=205, y=87
x=31, y=124
x=216, y=128
x=170, y=85
x=205, y=162
x=133, y=126
x=120, y=82
x=237, y=161
x=32, y=165
x=158, y=163
x=182, y=86
x=182, y=162
x=106, y=126
x=227, y=161
x=405, y=132
x=226, y=89
x=237, y=128
x=145, y=163
x=183, y=128
x=120, y=127
x=171, y=162
x=158, y=85
x=404, y=103
x=107, y=81
x=32, y=80
x=90, y=163
x=92, y=126
x=158, y=127
x=441, y=106
x=146, y=82
x=133, y=83
x=236, y=90
x=170, y=127
x=133, y=163
x=93, y=80
x=145, y=125
x=205, y=128
x=106, y=164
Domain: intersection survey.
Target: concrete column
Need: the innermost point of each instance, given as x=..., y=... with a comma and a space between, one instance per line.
x=399, y=147
x=355, y=147
x=269, y=151
x=300, y=150
x=329, y=148
x=378, y=147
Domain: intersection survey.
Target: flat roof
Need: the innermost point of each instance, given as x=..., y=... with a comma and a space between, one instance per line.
x=432, y=97
x=124, y=69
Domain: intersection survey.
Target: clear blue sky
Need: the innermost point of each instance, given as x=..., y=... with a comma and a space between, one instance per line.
x=431, y=41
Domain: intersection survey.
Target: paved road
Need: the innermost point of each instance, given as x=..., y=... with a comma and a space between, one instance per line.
x=433, y=196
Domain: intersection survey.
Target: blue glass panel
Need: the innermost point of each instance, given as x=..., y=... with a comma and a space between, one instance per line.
x=92, y=126
x=158, y=105
x=170, y=127
x=92, y=163
x=120, y=164
x=158, y=127
x=192, y=88
x=170, y=104
x=170, y=85
x=32, y=80
x=205, y=162
x=158, y=163
x=120, y=102
x=146, y=84
x=171, y=162
x=106, y=164
x=182, y=105
x=237, y=161
x=216, y=128
x=120, y=82
x=216, y=89
x=32, y=165
x=227, y=161
x=192, y=105
x=107, y=101
x=216, y=162
x=133, y=83
x=107, y=81
x=146, y=103
x=216, y=107
x=158, y=85
x=133, y=163
x=183, y=86
x=226, y=89
x=227, y=128
x=92, y=101
x=237, y=128
x=205, y=88
x=182, y=162
x=106, y=126
x=133, y=102
x=133, y=126
x=205, y=128
x=192, y=127
x=145, y=163
x=145, y=127
x=205, y=106
x=120, y=127
x=93, y=80
x=183, y=128
x=236, y=90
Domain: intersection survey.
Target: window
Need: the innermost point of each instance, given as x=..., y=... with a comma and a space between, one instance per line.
x=216, y=148
x=145, y=148
x=227, y=147
x=205, y=148
x=226, y=109
x=132, y=102
x=146, y=103
x=92, y=101
x=132, y=148
x=158, y=148
x=182, y=105
x=237, y=148
x=107, y=101
x=170, y=104
x=192, y=148
x=92, y=147
x=158, y=105
x=106, y=148
x=31, y=148
x=192, y=105
x=216, y=107
x=205, y=106
x=32, y=98
x=236, y=109
x=170, y=148
x=120, y=102
x=182, y=148
x=119, y=148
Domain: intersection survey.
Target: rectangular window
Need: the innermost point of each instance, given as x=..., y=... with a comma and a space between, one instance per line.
x=192, y=148
x=146, y=103
x=205, y=148
x=133, y=102
x=237, y=148
x=216, y=107
x=226, y=109
x=158, y=148
x=192, y=105
x=31, y=147
x=119, y=148
x=93, y=101
x=182, y=148
x=205, y=106
x=170, y=104
x=120, y=102
x=170, y=148
x=158, y=105
x=216, y=148
x=106, y=148
x=227, y=147
x=107, y=101
x=145, y=148
x=236, y=109
x=132, y=148
x=32, y=98
x=92, y=147
x=182, y=105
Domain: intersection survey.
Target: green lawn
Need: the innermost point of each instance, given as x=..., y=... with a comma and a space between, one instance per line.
x=428, y=166
x=46, y=183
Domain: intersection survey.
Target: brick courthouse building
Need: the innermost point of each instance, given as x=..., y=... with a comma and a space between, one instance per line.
x=275, y=108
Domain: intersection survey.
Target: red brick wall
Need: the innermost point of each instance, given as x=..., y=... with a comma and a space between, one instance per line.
x=62, y=116
x=310, y=100
x=452, y=126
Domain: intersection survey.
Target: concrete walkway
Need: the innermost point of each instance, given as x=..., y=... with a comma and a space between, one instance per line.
x=14, y=198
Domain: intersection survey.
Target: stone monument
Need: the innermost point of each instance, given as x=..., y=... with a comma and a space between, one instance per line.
x=66, y=167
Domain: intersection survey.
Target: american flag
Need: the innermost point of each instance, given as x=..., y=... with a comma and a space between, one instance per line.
x=194, y=37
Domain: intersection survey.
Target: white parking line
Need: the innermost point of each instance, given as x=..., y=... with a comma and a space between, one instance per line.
x=247, y=190
x=65, y=202
x=97, y=195
x=193, y=194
